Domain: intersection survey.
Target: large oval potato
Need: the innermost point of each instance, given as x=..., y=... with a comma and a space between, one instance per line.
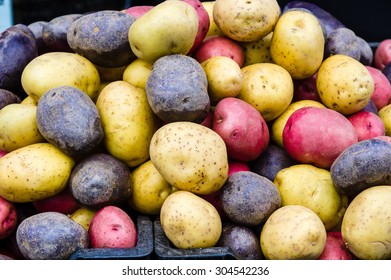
x=55, y=69
x=34, y=172
x=128, y=122
x=190, y=157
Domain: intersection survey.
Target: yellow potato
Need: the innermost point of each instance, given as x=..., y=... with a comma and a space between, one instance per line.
x=224, y=77
x=128, y=122
x=28, y=100
x=190, y=157
x=34, y=172
x=137, y=73
x=257, y=51
x=55, y=69
x=246, y=21
x=344, y=84
x=18, y=127
x=83, y=216
x=110, y=74
x=310, y=186
x=298, y=43
x=213, y=28
x=366, y=226
x=268, y=87
x=149, y=189
x=385, y=116
x=278, y=125
x=293, y=232
x=189, y=221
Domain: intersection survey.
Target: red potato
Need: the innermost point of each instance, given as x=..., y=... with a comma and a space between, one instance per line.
x=203, y=23
x=381, y=95
x=382, y=54
x=236, y=166
x=219, y=45
x=208, y=120
x=2, y=153
x=242, y=128
x=138, y=11
x=317, y=136
x=8, y=218
x=335, y=248
x=305, y=89
x=367, y=124
x=63, y=202
x=112, y=227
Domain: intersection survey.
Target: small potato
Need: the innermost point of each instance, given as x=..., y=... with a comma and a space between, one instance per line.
x=383, y=54
x=83, y=216
x=344, y=84
x=110, y=74
x=189, y=221
x=18, y=127
x=190, y=157
x=213, y=28
x=28, y=100
x=8, y=218
x=7, y=97
x=342, y=40
x=385, y=115
x=381, y=95
x=293, y=232
x=224, y=78
x=137, y=73
x=268, y=87
x=257, y=51
x=366, y=225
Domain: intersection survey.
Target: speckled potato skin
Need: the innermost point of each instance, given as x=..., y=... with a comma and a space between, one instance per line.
x=55, y=69
x=50, y=236
x=293, y=232
x=34, y=172
x=344, y=84
x=366, y=225
x=190, y=221
x=246, y=21
x=257, y=51
x=190, y=157
x=298, y=43
x=385, y=115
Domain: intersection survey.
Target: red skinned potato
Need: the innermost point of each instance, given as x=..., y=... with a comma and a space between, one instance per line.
x=367, y=124
x=242, y=128
x=8, y=218
x=112, y=227
x=138, y=11
x=219, y=45
x=382, y=54
x=335, y=248
x=63, y=202
x=381, y=95
x=317, y=136
x=236, y=166
x=305, y=89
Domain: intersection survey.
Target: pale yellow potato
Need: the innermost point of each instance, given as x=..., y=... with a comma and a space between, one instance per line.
x=246, y=21
x=278, y=125
x=385, y=116
x=310, y=186
x=18, y=127
x=190, y=157
x=257, y=51
x=55, y=69
x=366, y=225
x=224, y=77
x=189, y=221
x=268, y=87
x=344, y=84
x=83, y=216
x=149, y=189
x=298, y=43
x=293, y=232
x=28, y=100
x=128, y=122
x=168, y=28
x=137, y=73
x=213, y=28
x=110, y=74
x=34, y=172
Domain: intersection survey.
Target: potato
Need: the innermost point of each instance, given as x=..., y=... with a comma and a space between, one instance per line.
x=69, y=119
x=110, y=74
x=33, y=172
x=366, y=51
x=335, y=248
x=62, y=202
x=268, y=87
x=367, y=125
x=168, y=28
x=149, y=189
x=50, y=236
x=112, y=227
x=298, y=43
x=18, y=127
x=224, y=78
x=8, y=218
x=7, y=97
x=246, y=21
x=344, y=84
x=361, y=166
x=381, y=95
x=382, y=54
x=190, y=157
x=305, y=89
x=128, y=122
x=37, y=28
x=83, y=216
x=137, y=73
x=249, y=199
x=385, y=115
x=102, y=38
x=342, y=40
x=310, y=186
x=366, y=225
x=177, y=89
x=28, y=100
x=257, y=51
x=213, y=28
x=100, y=180
x=293, y=232
x=55, y=69
x=189, y=221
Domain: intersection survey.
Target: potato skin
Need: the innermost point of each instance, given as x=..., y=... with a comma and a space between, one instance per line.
x=50, y=236
x=7, y=97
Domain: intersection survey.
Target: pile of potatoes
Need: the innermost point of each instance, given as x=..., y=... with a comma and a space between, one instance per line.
x=241, y=124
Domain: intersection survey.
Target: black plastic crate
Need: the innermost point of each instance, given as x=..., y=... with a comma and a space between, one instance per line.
x=142, y=250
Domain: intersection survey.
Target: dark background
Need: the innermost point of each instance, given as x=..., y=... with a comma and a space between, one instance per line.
x=368, y=19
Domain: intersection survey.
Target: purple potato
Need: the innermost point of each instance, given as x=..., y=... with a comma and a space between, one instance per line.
x=7, y=97
x=342, y=41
